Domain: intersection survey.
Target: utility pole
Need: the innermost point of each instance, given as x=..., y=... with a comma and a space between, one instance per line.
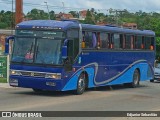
x=19, y=11
x=48, y=11
x=12, y=18
x=63, y=7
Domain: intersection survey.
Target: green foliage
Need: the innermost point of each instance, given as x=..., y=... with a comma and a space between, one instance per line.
x=89, y=18
x=36, y=14
x=52, y=15
x=3, y=80
x=157, y=47
x=3, y=25
x=74, y=13
x=7, y=19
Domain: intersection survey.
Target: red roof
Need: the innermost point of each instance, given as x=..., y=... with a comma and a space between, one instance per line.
x=132, y=25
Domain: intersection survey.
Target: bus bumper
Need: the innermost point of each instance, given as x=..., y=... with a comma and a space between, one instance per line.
x=36, y=83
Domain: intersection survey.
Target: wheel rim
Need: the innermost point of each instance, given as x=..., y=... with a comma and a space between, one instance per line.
x=136, y=77
x=81, y=84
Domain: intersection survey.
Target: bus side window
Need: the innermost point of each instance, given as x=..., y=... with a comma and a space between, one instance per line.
x=98, y=40
x=124, y=40
x=111, y=41
x=90, y=39
x=121, y=41
x=152, y=43
x=132, y=42
x=128, y=42
x=94, y=40
x=83, y=40
x=143, y=44
x=138, y=42
x=110, y=45
x=116, y=40
x=148, y=43
x=104, y=40
x=73, y=34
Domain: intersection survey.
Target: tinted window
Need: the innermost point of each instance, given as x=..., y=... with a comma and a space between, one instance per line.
x=90, y=39
x=147, y=42
x=73, y=34
x=104, y=40
x=138, y=43
x=116, y=40
x=128, y=42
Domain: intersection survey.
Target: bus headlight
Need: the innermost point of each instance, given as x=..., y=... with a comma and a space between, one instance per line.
x=14, y=72
x=53, y=76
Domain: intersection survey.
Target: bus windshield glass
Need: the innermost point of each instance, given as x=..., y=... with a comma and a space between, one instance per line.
x=41, y=50
x=48, y=51
x=22, y=47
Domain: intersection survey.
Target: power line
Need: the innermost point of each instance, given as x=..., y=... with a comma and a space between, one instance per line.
x=61, y=7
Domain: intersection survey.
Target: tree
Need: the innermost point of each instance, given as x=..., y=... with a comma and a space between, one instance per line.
x=36, y=14
x=89, y=18
x=74, y=13
x=3, y=25
x=52, y=15
x=100, y=17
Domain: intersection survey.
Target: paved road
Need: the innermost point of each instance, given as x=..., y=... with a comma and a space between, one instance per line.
x=145, y=97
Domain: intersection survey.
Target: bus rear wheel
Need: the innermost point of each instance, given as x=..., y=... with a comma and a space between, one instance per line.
x=136, y=79
x=81, y=84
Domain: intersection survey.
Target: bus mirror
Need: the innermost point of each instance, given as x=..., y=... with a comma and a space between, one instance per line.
x=7, y=44
x=64, y=52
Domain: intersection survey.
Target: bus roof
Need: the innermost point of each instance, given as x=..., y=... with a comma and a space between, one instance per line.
x=47, y=24
x=64, y=25
x=117, y=29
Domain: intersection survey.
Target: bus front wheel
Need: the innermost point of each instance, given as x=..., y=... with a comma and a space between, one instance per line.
x=37, y=90
x=81, y=84
x=152, y=80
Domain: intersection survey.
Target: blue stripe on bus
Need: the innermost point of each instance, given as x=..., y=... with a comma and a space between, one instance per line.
x=72, y=83
x=120, y=78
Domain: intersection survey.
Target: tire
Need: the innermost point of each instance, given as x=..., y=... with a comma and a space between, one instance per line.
x=136, y=79
x=81, y=84
x=37, y=90
x=152, y=80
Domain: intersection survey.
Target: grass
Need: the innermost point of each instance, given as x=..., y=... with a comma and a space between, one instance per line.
x=3, y=80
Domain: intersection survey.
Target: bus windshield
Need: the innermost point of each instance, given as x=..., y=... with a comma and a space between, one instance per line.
x=48, y=51
x=37, y=50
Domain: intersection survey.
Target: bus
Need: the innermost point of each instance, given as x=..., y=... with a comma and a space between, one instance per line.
x=66, y=55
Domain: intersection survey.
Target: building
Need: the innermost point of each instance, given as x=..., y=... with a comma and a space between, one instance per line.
x=101, y=23
x=82, y=14
x=130, y=25
x=64, y=16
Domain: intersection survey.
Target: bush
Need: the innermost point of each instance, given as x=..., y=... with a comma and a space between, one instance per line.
x=3, y=25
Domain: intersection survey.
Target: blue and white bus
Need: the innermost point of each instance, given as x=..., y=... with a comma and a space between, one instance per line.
x=66, y=55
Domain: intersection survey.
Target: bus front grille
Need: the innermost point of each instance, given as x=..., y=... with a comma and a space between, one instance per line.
x=33, y=74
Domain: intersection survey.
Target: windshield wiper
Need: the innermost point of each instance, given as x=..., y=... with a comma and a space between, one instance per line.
x=37, y=51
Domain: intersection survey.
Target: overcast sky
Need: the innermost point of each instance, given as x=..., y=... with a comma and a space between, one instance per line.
x=76, y=5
